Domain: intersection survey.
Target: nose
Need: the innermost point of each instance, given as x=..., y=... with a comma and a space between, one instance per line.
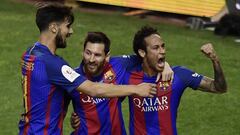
x=92, y=58
x=162, y=50
x=71, y=31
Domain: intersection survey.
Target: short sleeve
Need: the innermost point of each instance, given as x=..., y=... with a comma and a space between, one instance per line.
x=189, y=78
x=61, y=74
x=127, y=61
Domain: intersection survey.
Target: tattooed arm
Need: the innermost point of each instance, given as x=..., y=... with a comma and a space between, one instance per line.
x=218, y=84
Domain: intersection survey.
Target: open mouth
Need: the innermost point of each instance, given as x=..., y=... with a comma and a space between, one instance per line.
x=161, y=62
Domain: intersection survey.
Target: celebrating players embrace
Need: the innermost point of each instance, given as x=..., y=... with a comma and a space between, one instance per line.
x=99, y=85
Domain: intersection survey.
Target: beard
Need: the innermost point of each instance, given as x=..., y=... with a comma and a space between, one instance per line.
x=94, y=72
x=60, y=43
x=153, y=66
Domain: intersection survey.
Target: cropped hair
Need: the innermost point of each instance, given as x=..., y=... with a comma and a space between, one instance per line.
x=139, y=38
x=98, y=37
x=53, y=13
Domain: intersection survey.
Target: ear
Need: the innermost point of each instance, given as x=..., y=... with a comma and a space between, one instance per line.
x=53, y=27
x=107, y=57
x=142, y=53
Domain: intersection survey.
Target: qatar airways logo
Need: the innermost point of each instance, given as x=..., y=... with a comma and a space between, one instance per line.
x=152, y=104
x=93, y=100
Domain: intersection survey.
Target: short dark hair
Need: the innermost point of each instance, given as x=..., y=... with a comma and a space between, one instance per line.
x=98, y=37
x=53, y=13
x=139, y=42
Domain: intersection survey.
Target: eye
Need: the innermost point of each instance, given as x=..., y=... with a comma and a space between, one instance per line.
x=98, y=55
x=68, y=26
x=155, y=47
x=87, y=52
x=163, y=45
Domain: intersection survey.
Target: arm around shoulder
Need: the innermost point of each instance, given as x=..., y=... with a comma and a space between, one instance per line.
x=111, y=90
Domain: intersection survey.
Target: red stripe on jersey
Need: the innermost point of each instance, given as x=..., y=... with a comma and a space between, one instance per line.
x=47, y=119
x=110, y=77
x=114, y=116
x=90, y=109
x=140, y=127
x=63, y=113
x=164, y=116
x=136, y=78
x=28, y=96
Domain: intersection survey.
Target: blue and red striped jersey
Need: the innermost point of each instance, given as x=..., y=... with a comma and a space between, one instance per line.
x=102, y=116
x=46, y=80
x=157, y=115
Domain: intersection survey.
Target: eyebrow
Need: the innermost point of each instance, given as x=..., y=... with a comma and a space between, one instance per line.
x=96, y=53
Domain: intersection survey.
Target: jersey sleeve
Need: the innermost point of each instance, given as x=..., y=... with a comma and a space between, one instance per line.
x=189, y=78
x=61, y=74
x=121, y=64
x=126, y=61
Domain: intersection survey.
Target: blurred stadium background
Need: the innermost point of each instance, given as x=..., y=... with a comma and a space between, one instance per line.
x=199, y=113
x=189, y=7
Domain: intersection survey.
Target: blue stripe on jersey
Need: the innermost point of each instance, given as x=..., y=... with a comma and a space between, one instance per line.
x=175, y=100
x=131, y=116
x=152, y=126
x=104, y=117
x=83, y=128
x=121, y=120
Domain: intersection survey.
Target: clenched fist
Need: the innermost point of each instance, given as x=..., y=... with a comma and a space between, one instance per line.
x=209, y=51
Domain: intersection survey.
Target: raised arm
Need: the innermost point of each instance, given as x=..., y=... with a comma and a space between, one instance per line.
x=111, y=90
x=218, y=84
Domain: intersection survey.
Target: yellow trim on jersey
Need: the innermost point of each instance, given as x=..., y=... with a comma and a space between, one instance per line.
x=206, y=8
x=25, y=95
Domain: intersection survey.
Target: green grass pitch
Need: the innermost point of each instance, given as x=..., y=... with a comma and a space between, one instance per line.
x=199, y=113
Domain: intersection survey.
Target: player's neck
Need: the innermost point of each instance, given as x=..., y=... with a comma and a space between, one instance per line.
x=148, y=70
x=49, y=41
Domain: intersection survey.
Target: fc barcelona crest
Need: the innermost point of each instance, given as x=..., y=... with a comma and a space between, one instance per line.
x=164, y=86
x=109, y=76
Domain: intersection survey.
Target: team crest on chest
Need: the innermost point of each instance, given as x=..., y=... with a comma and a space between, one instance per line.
x=109, y=76
x=164, y=86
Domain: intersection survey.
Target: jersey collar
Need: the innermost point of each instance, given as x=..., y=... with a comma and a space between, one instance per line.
x=44, y=48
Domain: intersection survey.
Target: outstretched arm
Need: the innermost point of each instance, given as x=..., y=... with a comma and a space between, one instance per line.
x=111, y=90
x=218, y=84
